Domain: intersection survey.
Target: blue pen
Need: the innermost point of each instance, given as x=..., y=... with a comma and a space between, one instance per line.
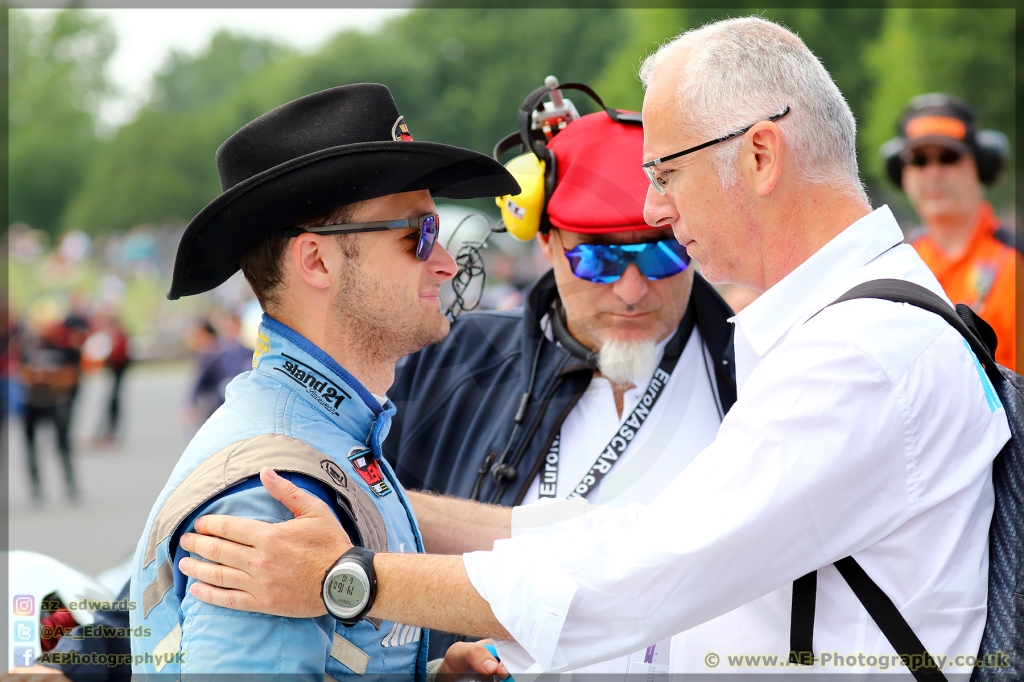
x=494, y=652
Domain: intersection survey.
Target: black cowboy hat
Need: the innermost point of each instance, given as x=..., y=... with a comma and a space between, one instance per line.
x=309, y=156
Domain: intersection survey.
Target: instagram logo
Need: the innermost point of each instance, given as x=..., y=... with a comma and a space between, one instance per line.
x=24, y=605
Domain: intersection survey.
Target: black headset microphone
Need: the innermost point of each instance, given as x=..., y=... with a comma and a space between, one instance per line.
x=500, y=471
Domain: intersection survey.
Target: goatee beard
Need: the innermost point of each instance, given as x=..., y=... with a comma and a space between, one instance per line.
x=627, y=362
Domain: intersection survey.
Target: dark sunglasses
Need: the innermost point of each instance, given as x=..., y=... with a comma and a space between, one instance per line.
x=946, y=157
x=428, y=225
x=605, y=263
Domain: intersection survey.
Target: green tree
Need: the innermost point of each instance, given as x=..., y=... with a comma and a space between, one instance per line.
x=56, y=82
x=964, y=52
x=160, y=168
x=458, y=75
x=879, y=58
x=190, y=82
x=152, y=172
x=619, y=84
x=836, y=36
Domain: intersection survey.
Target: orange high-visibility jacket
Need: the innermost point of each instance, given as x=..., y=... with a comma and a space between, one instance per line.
x=985, y=277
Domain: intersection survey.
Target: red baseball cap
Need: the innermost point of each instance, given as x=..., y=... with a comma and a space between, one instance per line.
x=601, y=187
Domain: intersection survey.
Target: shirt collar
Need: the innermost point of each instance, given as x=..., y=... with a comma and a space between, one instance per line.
x=765, y=321
x=296, y=362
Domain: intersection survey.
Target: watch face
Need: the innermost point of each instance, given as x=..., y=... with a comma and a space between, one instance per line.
x=347, y=590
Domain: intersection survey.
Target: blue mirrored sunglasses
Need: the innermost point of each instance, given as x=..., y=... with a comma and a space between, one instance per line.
x=429, y=226
x=605, y=263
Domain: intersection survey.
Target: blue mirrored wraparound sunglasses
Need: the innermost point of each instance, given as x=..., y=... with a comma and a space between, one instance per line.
x=605, y=263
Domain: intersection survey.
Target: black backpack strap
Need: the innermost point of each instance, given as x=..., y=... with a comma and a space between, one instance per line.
x=713, y=315
x=891, y=622
x=982, y=340
x=801, y=626
x=878, y=605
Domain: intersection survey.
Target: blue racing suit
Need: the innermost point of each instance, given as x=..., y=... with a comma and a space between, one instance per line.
x=303, y=414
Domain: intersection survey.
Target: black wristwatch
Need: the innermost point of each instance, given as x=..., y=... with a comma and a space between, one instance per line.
x=350, y=586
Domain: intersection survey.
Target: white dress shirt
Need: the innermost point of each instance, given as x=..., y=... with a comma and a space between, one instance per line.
x=864, y=431
x=685, y=417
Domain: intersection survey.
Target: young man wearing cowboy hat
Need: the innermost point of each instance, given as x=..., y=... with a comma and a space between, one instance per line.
x=327, y=209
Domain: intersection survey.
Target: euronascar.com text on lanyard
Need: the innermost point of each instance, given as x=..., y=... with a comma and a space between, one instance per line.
x=617, y=445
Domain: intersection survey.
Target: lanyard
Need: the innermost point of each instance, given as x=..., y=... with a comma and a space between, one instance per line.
x=619, y=442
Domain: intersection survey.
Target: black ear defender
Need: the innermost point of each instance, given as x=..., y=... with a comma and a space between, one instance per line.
x=891, y=153
x=991, y=155
x=946, y=120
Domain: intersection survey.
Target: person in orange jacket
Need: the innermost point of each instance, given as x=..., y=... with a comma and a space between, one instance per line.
x=941, y=161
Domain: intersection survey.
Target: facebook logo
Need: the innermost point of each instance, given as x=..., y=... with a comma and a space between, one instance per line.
x=24, y=631
x=24, y=656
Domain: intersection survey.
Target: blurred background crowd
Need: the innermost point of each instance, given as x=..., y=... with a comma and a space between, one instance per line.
x=107, y=380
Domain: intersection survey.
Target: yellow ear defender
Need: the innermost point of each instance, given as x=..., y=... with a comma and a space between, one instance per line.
x=521, y=213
